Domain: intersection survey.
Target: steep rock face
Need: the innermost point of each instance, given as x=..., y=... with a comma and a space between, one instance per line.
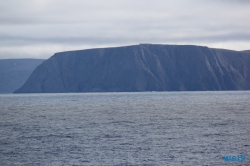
x=144, y=67
x=14, y=73
x=246, y=51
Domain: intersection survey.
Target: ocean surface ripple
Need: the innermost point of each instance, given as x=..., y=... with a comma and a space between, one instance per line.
x=148, y=128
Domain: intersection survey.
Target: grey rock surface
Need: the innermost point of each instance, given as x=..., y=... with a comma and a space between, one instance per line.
x=144, y=67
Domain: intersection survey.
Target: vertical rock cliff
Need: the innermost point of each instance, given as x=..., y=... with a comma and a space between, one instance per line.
x=144, y=67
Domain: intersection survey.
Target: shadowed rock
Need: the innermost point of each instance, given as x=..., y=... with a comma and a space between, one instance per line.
x=144, y=67
x=246, y=51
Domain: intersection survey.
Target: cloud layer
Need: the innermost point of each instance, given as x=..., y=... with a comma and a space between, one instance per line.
x=38, y=29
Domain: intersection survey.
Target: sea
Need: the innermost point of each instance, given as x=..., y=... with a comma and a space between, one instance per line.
x=125, y=129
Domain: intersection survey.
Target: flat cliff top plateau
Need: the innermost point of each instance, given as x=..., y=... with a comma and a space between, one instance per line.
x=144, y=67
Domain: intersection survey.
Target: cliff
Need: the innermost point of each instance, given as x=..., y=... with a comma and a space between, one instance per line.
x=144, y=67
x=14, y=73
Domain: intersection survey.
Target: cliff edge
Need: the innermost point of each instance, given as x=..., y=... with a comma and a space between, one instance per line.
x=144, y=67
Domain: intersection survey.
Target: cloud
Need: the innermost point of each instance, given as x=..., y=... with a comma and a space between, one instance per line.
x=83, y=24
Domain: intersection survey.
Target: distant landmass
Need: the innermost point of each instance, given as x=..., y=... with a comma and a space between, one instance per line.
x=14, y=73
x=144, y=67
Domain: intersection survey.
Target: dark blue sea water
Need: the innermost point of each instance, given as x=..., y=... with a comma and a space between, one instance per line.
x=150, y=128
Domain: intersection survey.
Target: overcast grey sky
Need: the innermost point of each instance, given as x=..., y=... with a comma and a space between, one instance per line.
x=39, y=28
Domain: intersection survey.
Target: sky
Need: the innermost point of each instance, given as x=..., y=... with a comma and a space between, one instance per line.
x=40, y=28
